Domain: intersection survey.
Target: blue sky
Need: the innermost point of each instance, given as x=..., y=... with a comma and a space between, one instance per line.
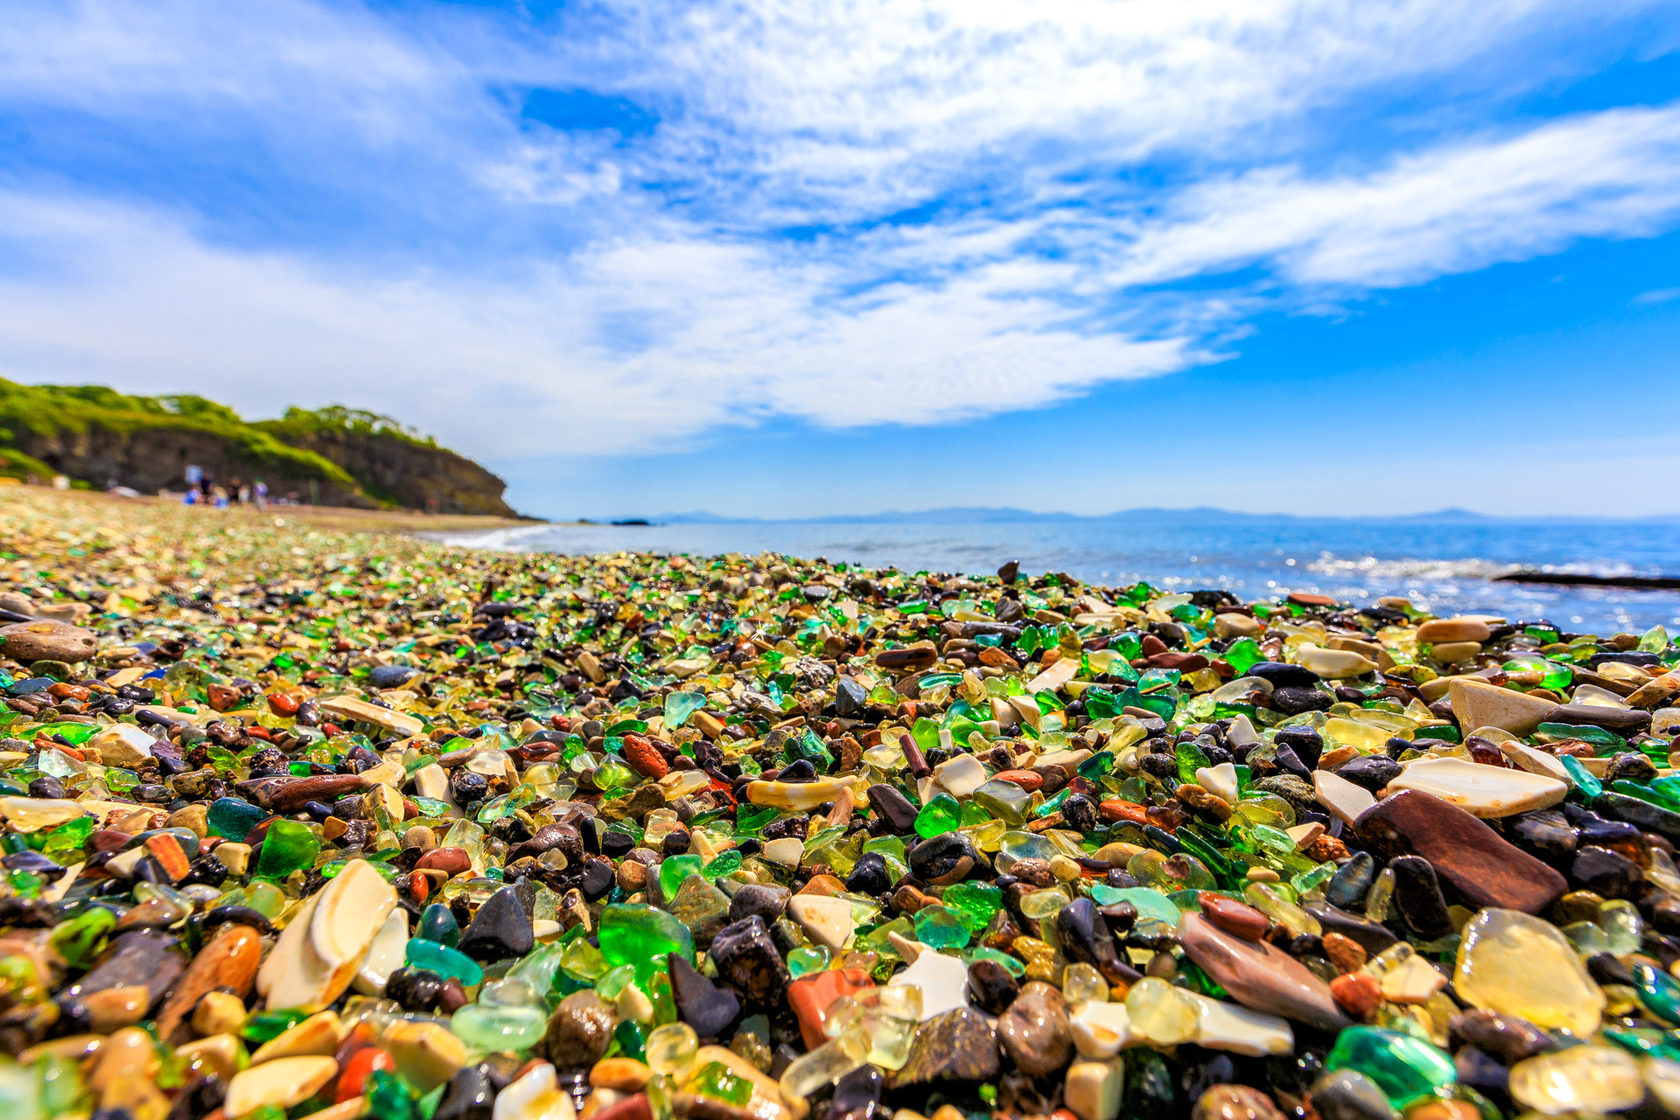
x=773, y=259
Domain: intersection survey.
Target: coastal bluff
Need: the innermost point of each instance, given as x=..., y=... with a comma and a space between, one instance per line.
x=336, y=456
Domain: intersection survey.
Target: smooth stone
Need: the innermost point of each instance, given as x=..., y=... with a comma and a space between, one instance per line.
x=535, y=1096
x=1506, y=1037
x=468, y=1096
x=942, y=979
x=826, y=920
x=1534, y=761
x=348, y=709
x=1418, y=897
x=1347, y=1094
x=1476, y=703
x=1371, y=771
x=1438, y=630
x=1093, y=1090
x=499, y=930
x=893, y=807
x=1035, y=1031
x=960, y=775
x=1622, y=721
x=786, y=852
x=579, y=1031
x=1261, y=976
x=1519, y=965
x=767, y=900
x=391, y=676
x=747, y=958
x=352, y=907
x=991, y=986
x=1489, y=792
x=1235, y=1102
x=124, y=745
x=384, y=956
x=799, y=797
x=1221, y=781
x=294, y=974
x=1590, y=1079
x=812, y=996
x=1467, y=855
x=703, y=1005
x=1240, y=1030
x=280, y=1084
x=46, y=640
x=1101, y=1028
x=956, y=1045
x=1334, y=664
x=1235, y=918
x=1348, y=886
x=944, y=859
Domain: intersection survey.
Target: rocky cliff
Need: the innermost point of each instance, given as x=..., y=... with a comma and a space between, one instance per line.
x=334, y=456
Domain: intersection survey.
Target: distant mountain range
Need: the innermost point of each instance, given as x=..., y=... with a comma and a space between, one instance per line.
x=1004, y=514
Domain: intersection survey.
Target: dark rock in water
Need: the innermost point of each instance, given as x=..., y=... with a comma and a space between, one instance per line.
x=992, y=986
x=1294, y=701
x=1307, y=744
x=1349, y=1095
x=1417, y=895
x=850, y=698
x=746, y=958
x=1372, y=771
x=1348, y=886
x=142, y=958
x=1260, y=976
x=1506, y=1037
x=1547, y=833
x=1280, y=674
x=1607, y=873
x=1010, y=571
x=580, y=1030
x=893, y=806
x=958, y=1045
x=1085, y=938
x=1035, y=1031
x=1623, y=721
x=1149, y=1090
x=702, y=1004
x=468, y=1096
x=391, y=676
x=870, y=875
x=501, y=929
x=944, y=859
x=1635, y=811
x=1468, y=856
x=1373, y=938
x=857, y=1095
x=766, y=900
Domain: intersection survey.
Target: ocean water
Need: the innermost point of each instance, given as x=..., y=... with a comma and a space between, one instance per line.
x=1444, y=564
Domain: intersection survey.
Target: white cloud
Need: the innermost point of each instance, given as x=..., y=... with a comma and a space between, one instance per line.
x=1456, y=209
x=542, y=291
x=634, y=343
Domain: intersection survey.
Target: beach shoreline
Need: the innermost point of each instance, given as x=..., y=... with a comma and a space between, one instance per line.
x=338, y=821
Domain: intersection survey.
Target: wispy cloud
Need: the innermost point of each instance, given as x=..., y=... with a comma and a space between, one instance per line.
x=850, y=214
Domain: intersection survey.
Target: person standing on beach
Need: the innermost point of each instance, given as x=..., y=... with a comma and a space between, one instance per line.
x=259, y=490
x=194, y=475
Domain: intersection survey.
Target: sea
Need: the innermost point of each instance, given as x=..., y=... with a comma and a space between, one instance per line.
x=1444, y=563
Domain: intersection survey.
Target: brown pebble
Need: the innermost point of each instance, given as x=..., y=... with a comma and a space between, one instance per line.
x=1235, y=918
x=1344, y=952
x=228, y=960
x=1357, y=993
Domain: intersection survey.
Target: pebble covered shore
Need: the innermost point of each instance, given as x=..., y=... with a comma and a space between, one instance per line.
x=311, y=824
